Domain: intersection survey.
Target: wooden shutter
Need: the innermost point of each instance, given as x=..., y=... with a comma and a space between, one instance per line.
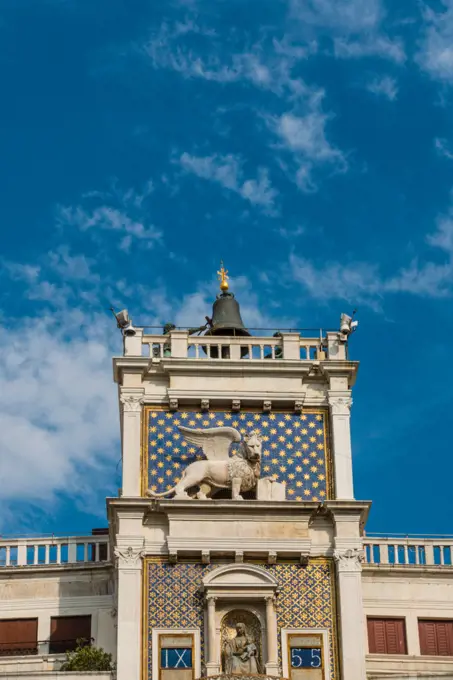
x=386, y=636
x=436, y=637
x=18, y=637
x=66, y=630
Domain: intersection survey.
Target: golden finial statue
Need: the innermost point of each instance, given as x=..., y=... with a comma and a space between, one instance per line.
x=223, y=277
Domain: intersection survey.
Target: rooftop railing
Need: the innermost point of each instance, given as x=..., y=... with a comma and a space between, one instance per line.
x=409, y=550
x=288, y=345
x=23, y=552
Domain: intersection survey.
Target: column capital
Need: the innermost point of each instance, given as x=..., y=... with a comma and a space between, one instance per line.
x=128, y=557
x=211, y=599
x=132, y=403
x=340, y=403
x=349, y=560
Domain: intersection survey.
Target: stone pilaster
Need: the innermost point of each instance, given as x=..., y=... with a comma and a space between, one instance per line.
x=352, y=632
x=132, y=404
x=129, y=565
x=340, y=405
x=272, y=667
x=212, y=664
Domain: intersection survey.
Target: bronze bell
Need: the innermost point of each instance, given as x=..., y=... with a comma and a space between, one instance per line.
x=226, y=321
x=226, y=318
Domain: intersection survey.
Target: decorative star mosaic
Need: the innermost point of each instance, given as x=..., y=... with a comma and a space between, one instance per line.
x=175, y=600
x=294, y=448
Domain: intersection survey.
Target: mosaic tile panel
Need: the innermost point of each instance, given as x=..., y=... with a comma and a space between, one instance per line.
x=173, y=599
x=294, y=448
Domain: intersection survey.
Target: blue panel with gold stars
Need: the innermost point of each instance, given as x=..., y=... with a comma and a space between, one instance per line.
x=294, y=448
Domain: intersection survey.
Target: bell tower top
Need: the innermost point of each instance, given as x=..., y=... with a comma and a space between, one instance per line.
x=223, y=278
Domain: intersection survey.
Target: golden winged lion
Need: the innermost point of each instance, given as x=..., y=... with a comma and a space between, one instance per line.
x=239, y=473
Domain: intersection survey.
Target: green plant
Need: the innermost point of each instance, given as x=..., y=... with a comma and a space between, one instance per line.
x=87, y=658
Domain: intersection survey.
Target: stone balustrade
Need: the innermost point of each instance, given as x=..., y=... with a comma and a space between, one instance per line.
x=288, y=346
x=50, y=551
x=408, y=550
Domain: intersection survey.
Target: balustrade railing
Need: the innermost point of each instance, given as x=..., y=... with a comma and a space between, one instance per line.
x=22, y=552
x=287, y=346
x=409, y=550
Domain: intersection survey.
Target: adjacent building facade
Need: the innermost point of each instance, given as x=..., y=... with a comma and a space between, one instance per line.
x=236, y=544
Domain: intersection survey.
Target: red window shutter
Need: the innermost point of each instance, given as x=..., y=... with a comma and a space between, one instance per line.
x=376, y=636
x=436, y=637
x=18, y=637
x=386, y=636
x=66, y=630
x=391, y=637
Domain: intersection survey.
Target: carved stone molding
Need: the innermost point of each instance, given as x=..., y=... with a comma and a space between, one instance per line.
x=267, y=406
x=298, y=406
x=128, y=557
x=236, y=405
x=340, y=406
x=173, y=403
x=205, y=404
x=205, y=557
x=349, y=560
x=132, y=403
x=173, y=556
x=272, y=557
x=239, y=556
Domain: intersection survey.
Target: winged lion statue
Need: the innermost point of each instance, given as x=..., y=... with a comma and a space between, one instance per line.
x=220, y=471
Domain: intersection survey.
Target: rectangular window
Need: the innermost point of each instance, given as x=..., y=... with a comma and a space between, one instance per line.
x=18, y=637
x=386, y=636
x=176, y=653
x=305, y=656
x=66, y=630
x=436, y=637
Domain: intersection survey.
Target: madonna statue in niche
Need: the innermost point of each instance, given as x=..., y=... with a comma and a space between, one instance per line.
x=241, y=653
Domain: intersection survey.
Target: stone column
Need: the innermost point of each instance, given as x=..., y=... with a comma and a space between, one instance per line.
x=131, y=442
x=352, y=630
x=272, y=633
x=129, y=588
x=212, y=664
x=340, y=404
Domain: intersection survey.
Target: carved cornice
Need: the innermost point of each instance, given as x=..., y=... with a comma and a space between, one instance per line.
x=132, y=403
x=349, y=560
x=128, y=558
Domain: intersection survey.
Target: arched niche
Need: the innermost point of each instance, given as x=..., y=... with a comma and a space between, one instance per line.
x=245, y=587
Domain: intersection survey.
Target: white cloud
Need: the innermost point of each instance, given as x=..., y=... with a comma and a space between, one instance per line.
x=345, y=16
x=442, y=148
x=110, y=219
x=435, y=54
x=58, y=416
x=364, y=283
x=370, y=46
x=228, y=172
x=267, y=69
x=384, y=86
x=304, y=136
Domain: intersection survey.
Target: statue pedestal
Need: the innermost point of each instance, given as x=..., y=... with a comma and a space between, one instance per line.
x=268, y=490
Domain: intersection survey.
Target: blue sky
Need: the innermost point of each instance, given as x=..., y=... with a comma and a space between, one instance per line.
x=308, y=143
